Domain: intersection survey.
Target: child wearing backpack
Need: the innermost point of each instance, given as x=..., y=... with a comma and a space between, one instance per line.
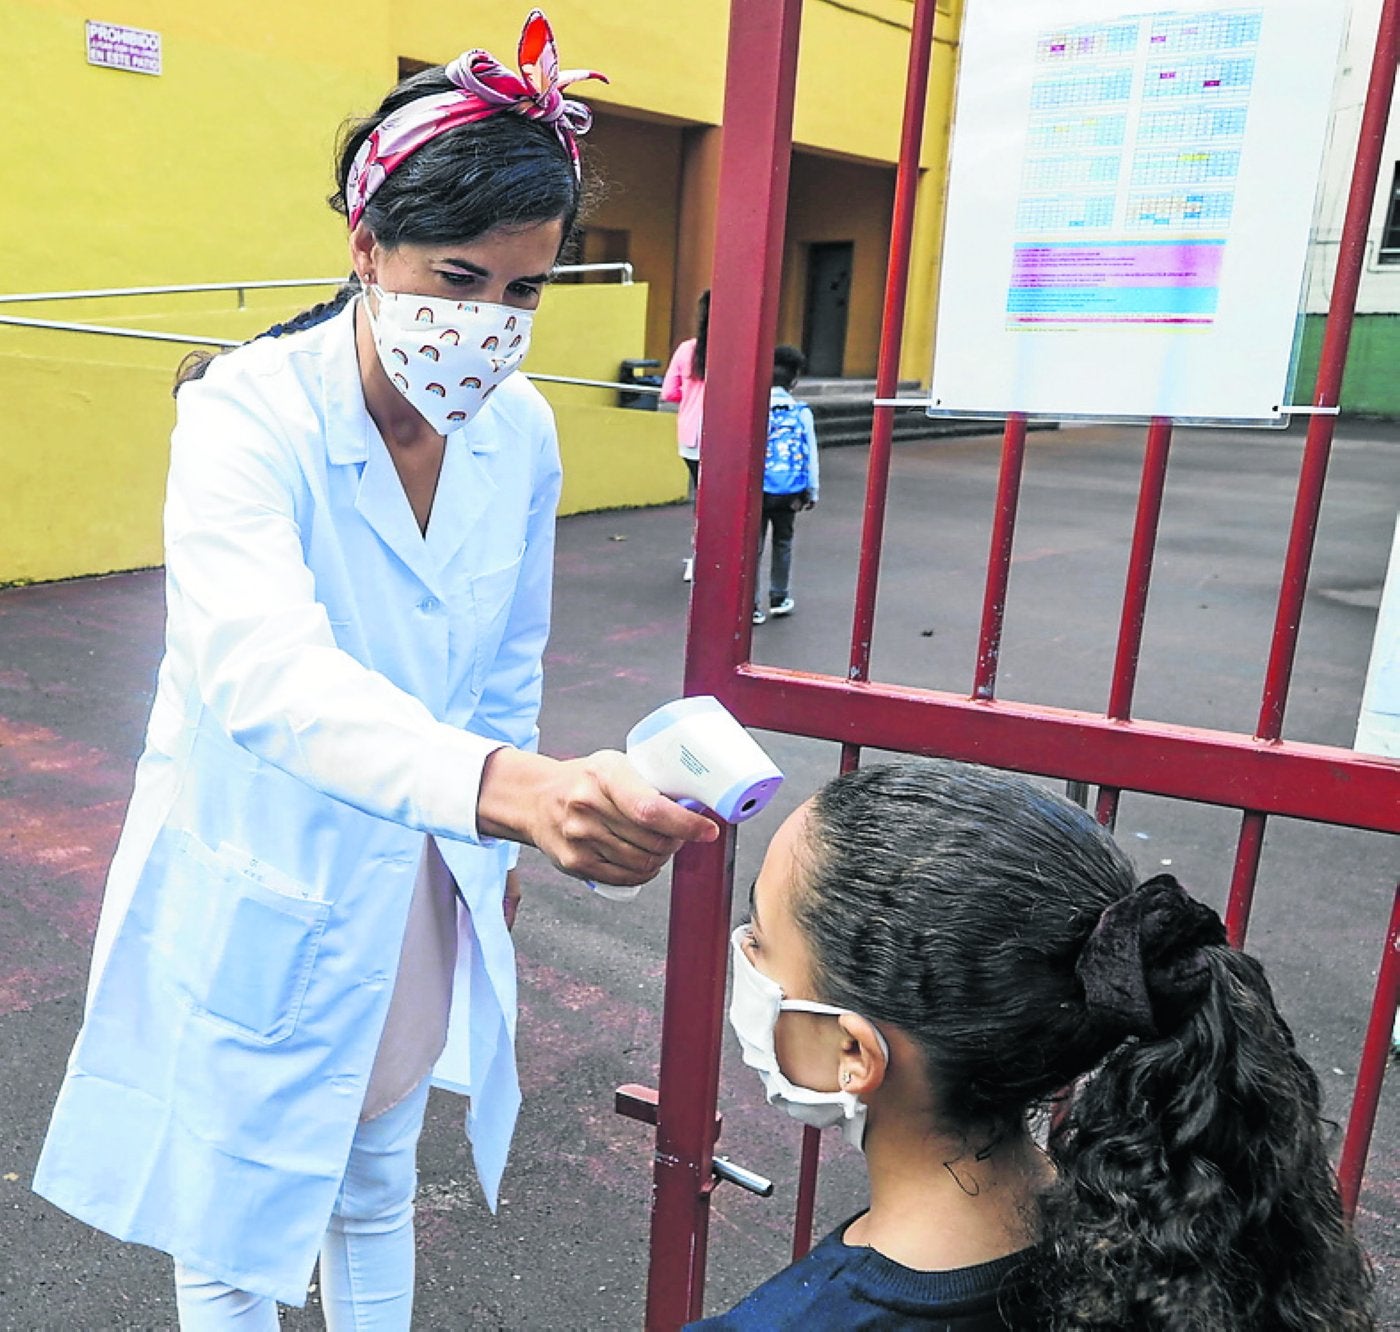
x=790, y=479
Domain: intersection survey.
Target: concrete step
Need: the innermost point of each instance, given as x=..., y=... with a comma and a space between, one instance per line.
x=855, y=389
x=842, y=422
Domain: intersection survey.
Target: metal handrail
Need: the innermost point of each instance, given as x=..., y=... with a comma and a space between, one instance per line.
x=624, y=271
x=192, y=340
x=14, y=298
x=147, y=335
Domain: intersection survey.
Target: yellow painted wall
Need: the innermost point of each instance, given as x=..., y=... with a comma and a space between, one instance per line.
x=87, y=422
x=218, y=169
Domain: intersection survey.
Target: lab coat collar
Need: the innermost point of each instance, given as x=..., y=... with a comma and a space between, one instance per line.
x=465, y=491
x=342, y=395
x=465, y=488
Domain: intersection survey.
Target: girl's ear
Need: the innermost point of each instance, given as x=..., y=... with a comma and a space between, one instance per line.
x=863, y=1061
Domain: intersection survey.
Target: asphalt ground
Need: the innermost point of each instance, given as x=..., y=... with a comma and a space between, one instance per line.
x=568, y=1248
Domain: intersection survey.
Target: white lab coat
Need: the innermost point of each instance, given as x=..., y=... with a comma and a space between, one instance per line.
x=332, y=684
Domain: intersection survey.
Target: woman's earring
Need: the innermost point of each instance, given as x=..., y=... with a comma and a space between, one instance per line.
x=846, y=1078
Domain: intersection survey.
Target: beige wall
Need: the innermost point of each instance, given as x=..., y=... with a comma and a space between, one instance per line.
x=833, y=200
x=638, y=164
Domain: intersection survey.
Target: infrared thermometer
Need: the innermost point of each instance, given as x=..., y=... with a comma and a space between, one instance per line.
x=695, y=752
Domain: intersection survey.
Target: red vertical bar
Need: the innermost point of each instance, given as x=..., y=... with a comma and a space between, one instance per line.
x=1139, y=580
x=753, y=185
x=906, y=185
x=692, y=1020
x=892, y=332
x=760, y=84
x=1246, y=873
x=1362, y=1122
x=1341, y=314
x=806, y=1192
x=1106, y=806
x=1144, y=547
x=1013, y=453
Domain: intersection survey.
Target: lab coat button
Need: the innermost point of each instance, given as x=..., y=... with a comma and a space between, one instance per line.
x=428, y=605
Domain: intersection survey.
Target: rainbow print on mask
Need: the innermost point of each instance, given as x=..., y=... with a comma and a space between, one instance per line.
x=447, y=378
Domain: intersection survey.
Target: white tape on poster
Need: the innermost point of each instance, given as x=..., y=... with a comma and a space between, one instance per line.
x=1129, y=206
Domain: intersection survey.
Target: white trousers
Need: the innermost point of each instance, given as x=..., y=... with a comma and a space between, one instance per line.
x=367, y=1255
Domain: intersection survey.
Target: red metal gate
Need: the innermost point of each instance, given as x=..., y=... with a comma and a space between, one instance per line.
x=1261, y=774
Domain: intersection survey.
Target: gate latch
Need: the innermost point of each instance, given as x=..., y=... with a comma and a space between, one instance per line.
x=640, y=1103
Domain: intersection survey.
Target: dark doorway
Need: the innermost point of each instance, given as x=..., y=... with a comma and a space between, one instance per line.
x=828, y=302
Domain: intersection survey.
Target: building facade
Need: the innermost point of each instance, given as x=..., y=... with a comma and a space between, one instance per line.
x=207, y=159
x=1371, y=386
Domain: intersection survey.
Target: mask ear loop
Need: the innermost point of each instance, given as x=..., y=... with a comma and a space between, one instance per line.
x=830, y=1010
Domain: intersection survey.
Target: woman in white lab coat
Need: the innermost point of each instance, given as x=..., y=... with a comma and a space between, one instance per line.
x=306, y=914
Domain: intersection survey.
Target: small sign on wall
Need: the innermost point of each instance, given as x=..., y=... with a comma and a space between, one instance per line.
x=117, y=47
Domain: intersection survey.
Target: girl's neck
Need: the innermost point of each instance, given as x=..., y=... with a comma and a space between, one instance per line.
x=934, y=1206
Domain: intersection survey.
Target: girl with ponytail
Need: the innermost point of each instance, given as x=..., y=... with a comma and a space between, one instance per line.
x=935, y=954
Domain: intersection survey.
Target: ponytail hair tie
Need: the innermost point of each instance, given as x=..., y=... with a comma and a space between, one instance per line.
x=1143, y=969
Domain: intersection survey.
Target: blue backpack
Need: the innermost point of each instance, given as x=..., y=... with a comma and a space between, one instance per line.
x=787, y=469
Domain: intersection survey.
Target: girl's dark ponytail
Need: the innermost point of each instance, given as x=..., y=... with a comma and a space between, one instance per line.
x=1194, y=1190
x=1002, y=930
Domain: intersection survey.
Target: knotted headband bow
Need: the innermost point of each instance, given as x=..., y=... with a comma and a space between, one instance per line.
x=1142, y=968
x=484, y=87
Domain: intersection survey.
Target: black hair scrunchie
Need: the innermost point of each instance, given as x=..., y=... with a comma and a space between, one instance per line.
x=1142, y=968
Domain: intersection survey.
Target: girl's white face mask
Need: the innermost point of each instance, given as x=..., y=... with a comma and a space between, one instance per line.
x=446, y=356
x=753, y=1013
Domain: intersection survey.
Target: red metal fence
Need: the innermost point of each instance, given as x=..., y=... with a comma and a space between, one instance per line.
x=1261, y=774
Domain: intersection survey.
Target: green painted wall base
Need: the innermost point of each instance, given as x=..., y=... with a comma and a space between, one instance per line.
x=1371, y=384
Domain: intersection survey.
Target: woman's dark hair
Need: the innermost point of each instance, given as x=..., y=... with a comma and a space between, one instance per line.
x=1193, y=1188
x=504, y=171
x=702, y=336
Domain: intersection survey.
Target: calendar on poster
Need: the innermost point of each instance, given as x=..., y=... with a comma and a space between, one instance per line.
x=1130, y=200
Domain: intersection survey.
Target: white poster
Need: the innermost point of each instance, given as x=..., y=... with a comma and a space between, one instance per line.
x=1129, y=205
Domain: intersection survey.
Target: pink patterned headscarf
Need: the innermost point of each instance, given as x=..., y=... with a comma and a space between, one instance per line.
x=484, y=87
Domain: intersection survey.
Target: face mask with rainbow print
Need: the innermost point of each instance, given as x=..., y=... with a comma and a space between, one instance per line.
x=446, y=357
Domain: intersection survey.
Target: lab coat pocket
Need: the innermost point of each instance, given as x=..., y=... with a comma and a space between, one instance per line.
x=492, y=595
x=240, y=938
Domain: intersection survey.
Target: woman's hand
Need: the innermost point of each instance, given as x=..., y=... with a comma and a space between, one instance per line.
x=510, y=903
x=593, y=817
